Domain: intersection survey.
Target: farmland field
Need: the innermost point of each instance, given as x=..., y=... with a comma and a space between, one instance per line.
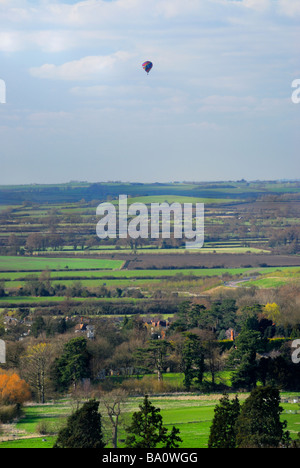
x=39, y=264
x=191, y=413
x=140, y=278
x=60, y=282
x=148, y=274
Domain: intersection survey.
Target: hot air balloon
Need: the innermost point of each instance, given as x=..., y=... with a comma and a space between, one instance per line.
x=147, y=66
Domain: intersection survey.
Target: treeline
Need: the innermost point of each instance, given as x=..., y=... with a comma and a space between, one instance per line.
x=43, y=286
x=81, y=239
x=193, y=346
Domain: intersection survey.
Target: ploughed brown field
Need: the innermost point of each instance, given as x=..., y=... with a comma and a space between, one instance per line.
x=198, y=260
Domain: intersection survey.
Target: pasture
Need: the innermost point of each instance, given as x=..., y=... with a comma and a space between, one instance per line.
x=237, y=219
x=191, y=413
x=147, y=280
x=11, y=263
x=275, y=278
x=183, y=282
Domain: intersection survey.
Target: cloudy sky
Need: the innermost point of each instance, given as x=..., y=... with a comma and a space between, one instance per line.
x=216, y=105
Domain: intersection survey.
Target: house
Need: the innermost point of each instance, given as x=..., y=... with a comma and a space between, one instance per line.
x=10, y=320
x=80, y=327
x=231, y=334
x=157, y=327
x=85, y=328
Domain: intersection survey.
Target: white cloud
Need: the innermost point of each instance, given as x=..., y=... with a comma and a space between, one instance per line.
x=10, y=41
x=85, y=68
x=51, y=40
x=246, y=105
x=227, y=104
x=289, y=7
x=57, y=26
x=206, y=126
x=47, y=41
x=47, y=118
x=258, y=5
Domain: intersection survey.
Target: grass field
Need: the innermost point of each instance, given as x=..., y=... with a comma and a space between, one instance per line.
x=266, y=283
x=121, y=274
x=87, y=273
x=191, y=413
x=270, y=277
x=52, y=300
x=239, y=226
x=275, y=278
x=180, y=280
x=39, y=263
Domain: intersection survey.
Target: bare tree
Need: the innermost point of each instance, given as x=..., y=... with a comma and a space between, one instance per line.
x=113, y=404
x=36, y=364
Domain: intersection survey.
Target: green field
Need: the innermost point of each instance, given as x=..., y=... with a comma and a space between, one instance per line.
x=86, y=273
x=275, y=278
x=144, y=278
x=15, y=300
x=176, y=279
x=266, y=283
x=243, y=220
x=71, y=208
x=40, y=263
x=191, y=413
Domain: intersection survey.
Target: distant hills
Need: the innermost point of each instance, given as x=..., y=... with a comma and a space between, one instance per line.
x=75, y=191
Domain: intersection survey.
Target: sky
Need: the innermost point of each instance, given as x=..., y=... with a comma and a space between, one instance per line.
x=216, y=105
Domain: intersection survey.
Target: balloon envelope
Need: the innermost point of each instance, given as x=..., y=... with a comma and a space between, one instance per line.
x=147, y=66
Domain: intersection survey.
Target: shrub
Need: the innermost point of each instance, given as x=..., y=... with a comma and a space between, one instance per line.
x=9, y=413
x=149, y=385
x=45, y=427
x=13, y=390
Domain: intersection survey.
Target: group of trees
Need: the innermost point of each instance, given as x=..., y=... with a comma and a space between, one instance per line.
x=84, y=429
x=36, y=227
x=51, y=369
x=286, y=240
x=223, y=314
x=190, y=346
x=254, y=424
x=283, y=241
x=43, y=286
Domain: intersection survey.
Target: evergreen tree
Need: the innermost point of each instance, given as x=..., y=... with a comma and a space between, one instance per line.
x=72, y=365
x=193, y=360
x=154, y=357
x=259, y=425
x=147, y=430
x=243, y=359
x=223, y=430
x=83, y=429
